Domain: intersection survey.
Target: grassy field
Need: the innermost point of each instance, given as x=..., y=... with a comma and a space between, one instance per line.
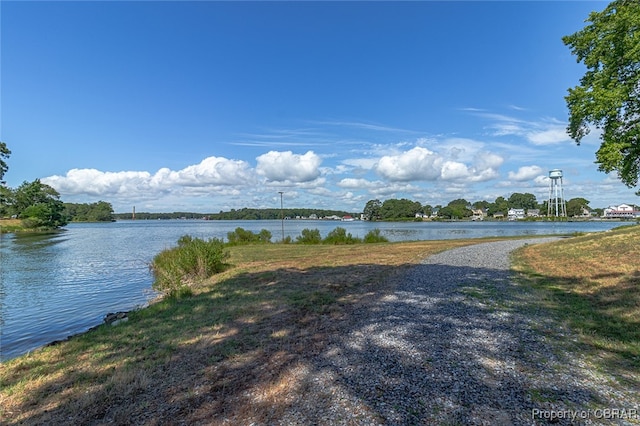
x=246, y=330
x=10, y=225
x=592, y=284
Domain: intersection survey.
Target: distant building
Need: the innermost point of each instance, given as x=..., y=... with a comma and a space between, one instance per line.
x=623, y=211
x=514, y=214
x=533, y=212
x=477, y=214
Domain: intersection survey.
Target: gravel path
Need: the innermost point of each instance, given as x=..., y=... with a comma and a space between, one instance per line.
x=456, y=343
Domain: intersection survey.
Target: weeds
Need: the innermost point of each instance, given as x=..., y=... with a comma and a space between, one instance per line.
x=191, y=261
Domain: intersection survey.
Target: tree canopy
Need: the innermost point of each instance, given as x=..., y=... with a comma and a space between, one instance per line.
x=608, y=96
x=4, y=154
x=38, y=205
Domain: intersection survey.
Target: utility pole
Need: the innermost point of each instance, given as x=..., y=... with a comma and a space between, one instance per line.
x=282, y=214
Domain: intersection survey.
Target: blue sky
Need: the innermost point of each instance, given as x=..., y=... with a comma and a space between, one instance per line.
x=208, y=106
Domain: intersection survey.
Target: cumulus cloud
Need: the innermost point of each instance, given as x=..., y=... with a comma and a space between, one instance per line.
x=416, y=164
x=210, y=172
x=421, y=164
x=355, y=183
x=96, y=182
x=525, y=173
x=289, y=167
x=454, y=170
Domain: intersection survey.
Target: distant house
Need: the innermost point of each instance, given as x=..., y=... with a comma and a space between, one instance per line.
x=533, y=212
x=514, y=214
x=498, y=215
x=477, y=214
x=623, y=211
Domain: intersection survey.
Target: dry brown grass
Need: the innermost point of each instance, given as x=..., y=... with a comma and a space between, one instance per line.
x=593, y=283
x=238, y=350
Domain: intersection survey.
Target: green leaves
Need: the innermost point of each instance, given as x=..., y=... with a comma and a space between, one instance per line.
x=608, y=96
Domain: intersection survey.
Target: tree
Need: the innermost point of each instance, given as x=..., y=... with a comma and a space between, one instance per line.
x=523, y=201
x=4, y=154
x=38, y=205
x=608, y=96
x=575, y=206
x=399, y=209
x=372, y=210
x=500, y=205
x=456, y=209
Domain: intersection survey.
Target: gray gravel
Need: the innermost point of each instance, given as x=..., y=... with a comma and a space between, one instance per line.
x=457, y=343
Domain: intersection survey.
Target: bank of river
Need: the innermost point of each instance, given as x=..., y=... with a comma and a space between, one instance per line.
x=56, y=285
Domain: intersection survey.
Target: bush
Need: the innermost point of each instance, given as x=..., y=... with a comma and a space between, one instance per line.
x=242, y=236
x=374, y=236
x=309, y=236
x=191, y=261
x=340, y=236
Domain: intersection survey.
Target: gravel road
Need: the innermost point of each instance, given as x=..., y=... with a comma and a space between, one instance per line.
x=456, y=343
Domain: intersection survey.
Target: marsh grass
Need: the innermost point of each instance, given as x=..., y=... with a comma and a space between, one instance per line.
x=592, y=283
x=237, y=345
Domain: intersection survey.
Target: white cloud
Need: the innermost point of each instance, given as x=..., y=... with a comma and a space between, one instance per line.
x=210, y=172
x=213, y=171
x=289, y=167
x=454, y=170
x=549, y=136
x=355, y=183
x=416, y=164
x=96, y=182
x=525, y=173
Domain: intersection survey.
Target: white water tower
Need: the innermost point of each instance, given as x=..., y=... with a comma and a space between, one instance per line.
x=556, y=205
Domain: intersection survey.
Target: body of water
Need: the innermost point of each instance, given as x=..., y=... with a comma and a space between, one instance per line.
x=56, y=285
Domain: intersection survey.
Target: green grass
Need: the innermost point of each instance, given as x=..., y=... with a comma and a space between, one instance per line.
x=592, y=284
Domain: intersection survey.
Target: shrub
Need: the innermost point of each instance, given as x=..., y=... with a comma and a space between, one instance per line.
x=340, y=236
x=191, y=261
x=309, y=236
x=242, y=236
x=374, y=236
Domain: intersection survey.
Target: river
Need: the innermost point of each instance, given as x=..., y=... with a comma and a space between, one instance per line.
x=59, y=284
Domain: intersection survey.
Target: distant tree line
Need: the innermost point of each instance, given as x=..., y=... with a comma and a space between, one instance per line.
x=89, y=212
x=404, y=209
x=241, y=214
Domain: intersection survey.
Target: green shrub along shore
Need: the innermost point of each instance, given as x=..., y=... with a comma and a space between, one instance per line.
x=194, y=260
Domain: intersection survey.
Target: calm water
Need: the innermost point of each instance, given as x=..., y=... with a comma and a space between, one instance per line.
x=52, y=286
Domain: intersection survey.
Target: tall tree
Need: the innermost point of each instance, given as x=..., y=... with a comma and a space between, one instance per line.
x=4, y=154
x=527, y=201
x=372, y=210
x=38, y=205
x=608, y=96
x=575, y=206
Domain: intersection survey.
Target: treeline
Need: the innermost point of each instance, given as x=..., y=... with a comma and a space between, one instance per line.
x=269, y=214
x=89, y=212
x=404, y=209
x=241, y=214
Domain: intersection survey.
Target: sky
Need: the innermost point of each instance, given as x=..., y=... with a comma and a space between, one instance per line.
x=209, y=106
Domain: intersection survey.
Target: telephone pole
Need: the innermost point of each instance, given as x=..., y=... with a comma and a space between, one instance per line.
x=282, y=214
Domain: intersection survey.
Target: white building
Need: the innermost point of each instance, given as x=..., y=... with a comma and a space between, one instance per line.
x=623, y=211
x=514, y=214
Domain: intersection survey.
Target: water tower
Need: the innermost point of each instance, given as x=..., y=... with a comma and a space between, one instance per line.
x=556, y=205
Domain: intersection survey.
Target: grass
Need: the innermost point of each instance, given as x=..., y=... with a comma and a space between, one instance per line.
x=236, y=350
x=11, y=225
x=243, y=332
x=592, y=284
